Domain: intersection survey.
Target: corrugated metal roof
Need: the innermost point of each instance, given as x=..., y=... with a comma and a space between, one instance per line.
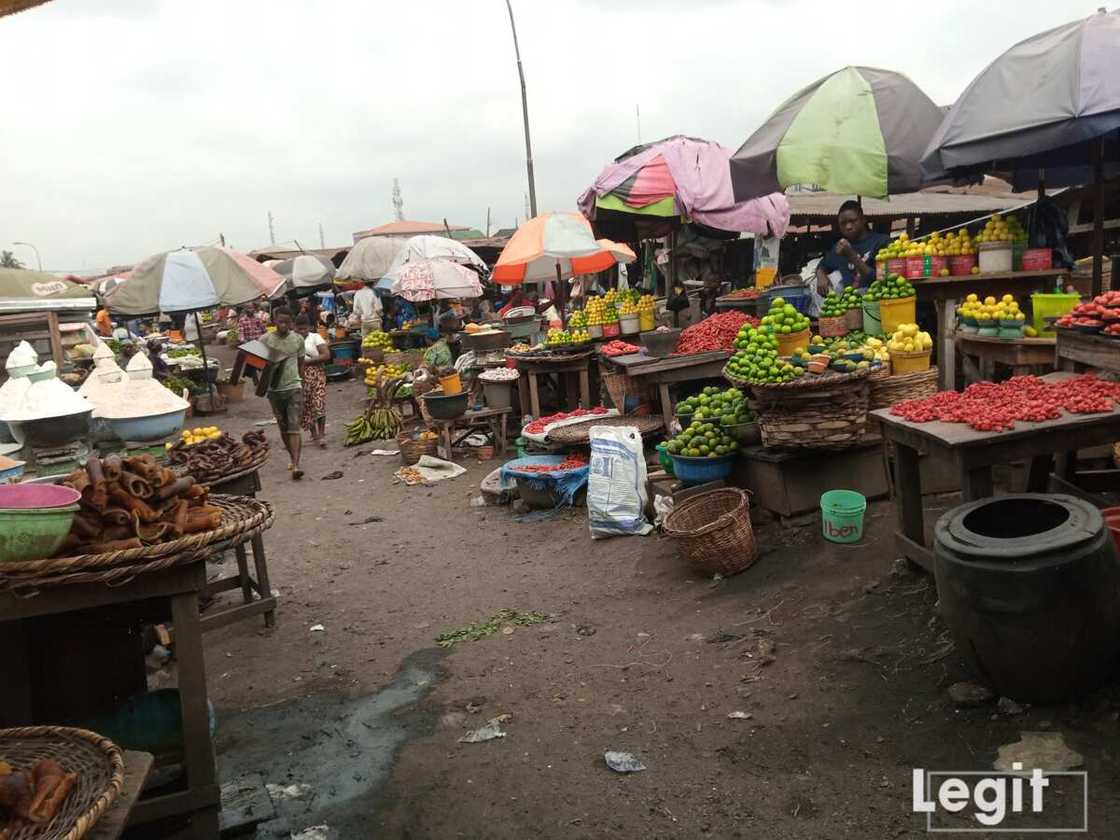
x=804, y=206
x=406, y=228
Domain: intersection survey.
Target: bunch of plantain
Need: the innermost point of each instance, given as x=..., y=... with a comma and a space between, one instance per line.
x=380, y=420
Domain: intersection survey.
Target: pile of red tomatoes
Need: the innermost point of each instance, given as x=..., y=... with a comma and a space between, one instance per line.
x=538, y=426
x=619, y=348
x=572, y=462
x=717, y=332
x=992, y=407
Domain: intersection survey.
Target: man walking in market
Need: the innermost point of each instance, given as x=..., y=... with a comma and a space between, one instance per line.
x=851, y=261
x=285, y=387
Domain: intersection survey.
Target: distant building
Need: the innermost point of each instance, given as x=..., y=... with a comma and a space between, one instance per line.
x=405, y=229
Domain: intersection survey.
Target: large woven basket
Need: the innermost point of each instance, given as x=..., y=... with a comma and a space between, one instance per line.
x=242, y=517
x=96, y=760
x=713, y=531
x=579, y=434
x=888, y=390
x=627, y=392
x=822, y=412
x=412, y=448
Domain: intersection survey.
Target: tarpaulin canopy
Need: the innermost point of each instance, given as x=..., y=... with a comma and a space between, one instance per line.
x=682, y=178
x=22, y=290
x=857, y=131
x=369, y=259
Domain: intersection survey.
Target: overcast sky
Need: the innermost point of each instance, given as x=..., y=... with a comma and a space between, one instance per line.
x=135, y=126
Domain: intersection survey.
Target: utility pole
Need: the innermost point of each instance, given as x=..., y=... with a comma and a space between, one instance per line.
x=398, y=201
x=524, y=115
x=271, y=229
x=638, y=116
x=487, y=222
x=322, y=243
x=530, y=209
x=222, y=239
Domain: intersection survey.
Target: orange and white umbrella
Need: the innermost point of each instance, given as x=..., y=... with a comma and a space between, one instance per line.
x=555, y=246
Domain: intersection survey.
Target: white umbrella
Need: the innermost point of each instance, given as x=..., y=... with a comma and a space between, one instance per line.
x=369, y=259
x=426, y=247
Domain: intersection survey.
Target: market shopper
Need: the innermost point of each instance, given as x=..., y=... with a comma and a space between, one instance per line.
x=851, y=261
x=316, y=354
x=285, y=387
x=249, y=325
x=367, y=308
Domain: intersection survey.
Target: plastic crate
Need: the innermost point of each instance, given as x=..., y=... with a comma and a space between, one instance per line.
x=796, y=296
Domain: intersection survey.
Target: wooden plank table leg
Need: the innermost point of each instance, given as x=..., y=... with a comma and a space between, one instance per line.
x=1038, y=478
x=243, y=573
x=908, y=484
x=264, y=587
x=198, y=750
x=666, y=404
x=534, y=395
x=976, y=483
x=523, y=393
x=585, y=388
x=947, y=324
x=502, y=434
x=987, y=369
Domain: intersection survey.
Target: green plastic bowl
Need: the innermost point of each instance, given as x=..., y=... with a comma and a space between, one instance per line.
x=33, y=534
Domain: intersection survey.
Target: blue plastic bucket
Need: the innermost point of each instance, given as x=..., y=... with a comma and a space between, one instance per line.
x=702, y=470
x=842, y=516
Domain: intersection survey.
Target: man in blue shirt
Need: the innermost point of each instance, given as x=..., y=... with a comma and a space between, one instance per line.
x=853, y=256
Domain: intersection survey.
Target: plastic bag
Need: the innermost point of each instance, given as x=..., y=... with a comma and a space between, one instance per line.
x=616, y=489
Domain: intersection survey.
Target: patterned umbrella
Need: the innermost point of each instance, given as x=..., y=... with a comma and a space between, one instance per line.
x=422, y=280
x=191, y=279
x=369, y=259
x=303, y=274
x=857, y=131
x=555, y=246
x=426, y=247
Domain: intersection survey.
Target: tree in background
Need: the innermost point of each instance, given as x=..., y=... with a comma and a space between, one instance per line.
x=8, y=260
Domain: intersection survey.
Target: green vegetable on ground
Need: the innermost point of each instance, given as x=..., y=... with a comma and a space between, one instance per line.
x=482, y=629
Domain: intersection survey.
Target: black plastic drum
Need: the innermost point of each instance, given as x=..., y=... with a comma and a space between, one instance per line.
x=1029, y=586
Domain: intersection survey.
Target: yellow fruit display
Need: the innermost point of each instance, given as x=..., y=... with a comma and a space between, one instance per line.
x=377, y=373
x=991, y=309
x=377, y=338
x=190, y=437
x=596, y=310
x=909, y=339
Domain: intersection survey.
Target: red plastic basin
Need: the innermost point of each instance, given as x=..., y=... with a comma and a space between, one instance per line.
x=36, y=496
x=1112, y=520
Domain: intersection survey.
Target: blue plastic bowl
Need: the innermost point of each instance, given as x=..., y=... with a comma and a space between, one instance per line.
x=702, y=470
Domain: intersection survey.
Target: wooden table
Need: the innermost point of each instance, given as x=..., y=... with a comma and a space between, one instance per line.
x=975, y=453
x=1077, y=351
x=947, y=292
x=528, y=388
x=263, y=601
x=178, y=585
x=493, y=419
x=1022, y=355
x=667, y=370
x=137, y=766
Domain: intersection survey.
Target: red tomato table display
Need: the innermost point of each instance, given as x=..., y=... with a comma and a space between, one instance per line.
x=619, y=348
x=716, y=332
x=991, y=407
x=538, y=426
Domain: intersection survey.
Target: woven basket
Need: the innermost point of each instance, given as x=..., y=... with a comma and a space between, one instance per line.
x=578, y=434
x=828, y=412
x=241, y=517
x=713, y=531
x=832, y=326
x=412, y=448
x=620, y=386
x=96, y=760
x=888, y=390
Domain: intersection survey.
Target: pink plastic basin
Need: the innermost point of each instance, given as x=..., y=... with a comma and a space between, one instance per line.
x=36, y=496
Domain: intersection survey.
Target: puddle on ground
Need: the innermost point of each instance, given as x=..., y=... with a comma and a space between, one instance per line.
x=341, y=749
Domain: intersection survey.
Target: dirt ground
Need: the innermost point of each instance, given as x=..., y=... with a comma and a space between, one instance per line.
x=834, y=655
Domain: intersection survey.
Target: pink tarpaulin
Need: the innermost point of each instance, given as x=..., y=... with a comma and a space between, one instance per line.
x=701, y=177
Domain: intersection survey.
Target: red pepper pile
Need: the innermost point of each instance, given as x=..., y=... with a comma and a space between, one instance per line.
x=991, y=407
x=618, y=348
x=717, y=332
x=538, y=426
x=572, y=462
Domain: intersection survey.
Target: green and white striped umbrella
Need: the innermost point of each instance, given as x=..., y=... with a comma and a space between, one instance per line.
x=857, y=131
